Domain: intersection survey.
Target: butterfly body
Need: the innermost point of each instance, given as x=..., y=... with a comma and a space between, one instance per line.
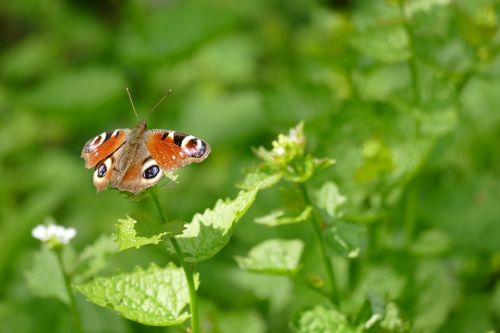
x=132, y=160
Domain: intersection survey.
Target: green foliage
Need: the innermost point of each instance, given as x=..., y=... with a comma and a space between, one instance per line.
x=288, y=159
x=209, y=232
x=345, y=239
x=94, y=258
x=276, y=217
x=387, y=44
x=45, y=278
x=328, y=197
x=273, y=256
x=321, y=319
x=400, y=234
x=126, y=235
x=154, y=296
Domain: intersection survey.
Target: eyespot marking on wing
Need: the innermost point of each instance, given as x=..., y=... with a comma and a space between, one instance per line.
x=151, y=171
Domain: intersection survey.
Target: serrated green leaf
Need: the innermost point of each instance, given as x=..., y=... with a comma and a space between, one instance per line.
x=273, y=256
x=126, y=235
x=329, y=198
x=209, y=232
x=388, y=43
x=155, y=296
x=94, y=257
x=45, y=277
x=346, y=239
x=276, y=218
x=321, y=319
x=259, y=179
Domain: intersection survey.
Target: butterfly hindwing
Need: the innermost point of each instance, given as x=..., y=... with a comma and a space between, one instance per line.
x=142, y=173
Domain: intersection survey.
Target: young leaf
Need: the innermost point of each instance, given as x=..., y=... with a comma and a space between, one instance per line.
x=209, y=232
x=321, y=319
x=328, y=197
x=288, y=159
x=259, y=179
x=155, y=296
x=45, y=278
x=276, y=218
x=345, y=239
x=285, y=148
x=126, y=235
x=274, y=256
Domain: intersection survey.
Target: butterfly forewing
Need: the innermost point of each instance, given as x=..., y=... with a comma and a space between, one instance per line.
x=102, y=146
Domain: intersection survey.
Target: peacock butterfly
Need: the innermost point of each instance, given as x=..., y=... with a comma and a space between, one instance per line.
x=134, y=159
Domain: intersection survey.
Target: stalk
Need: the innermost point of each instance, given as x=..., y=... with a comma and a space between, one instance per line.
x=72, y=301
x=410, y=212
x=316, y=226
x=412, y=62
x=193, y=303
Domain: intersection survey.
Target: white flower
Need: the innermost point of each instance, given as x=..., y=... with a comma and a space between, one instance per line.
x=53, y=233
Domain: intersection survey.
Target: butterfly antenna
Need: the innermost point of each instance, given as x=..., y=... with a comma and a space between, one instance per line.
x=131, y=102
x=168, y=93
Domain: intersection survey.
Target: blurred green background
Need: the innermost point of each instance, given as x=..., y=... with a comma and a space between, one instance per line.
x=403, y=94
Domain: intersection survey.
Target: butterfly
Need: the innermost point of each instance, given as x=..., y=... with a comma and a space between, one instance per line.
x=132, y=160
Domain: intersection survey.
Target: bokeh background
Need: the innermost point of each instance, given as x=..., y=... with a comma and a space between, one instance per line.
x=403, y=94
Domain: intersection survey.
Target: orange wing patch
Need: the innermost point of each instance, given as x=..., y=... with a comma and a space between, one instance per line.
x=102, y=146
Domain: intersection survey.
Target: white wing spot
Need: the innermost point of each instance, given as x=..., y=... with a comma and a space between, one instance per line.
x=186, y=140
x=98, y=140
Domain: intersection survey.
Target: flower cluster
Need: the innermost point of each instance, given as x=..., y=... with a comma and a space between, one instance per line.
x=288, y=157
x=53, y=234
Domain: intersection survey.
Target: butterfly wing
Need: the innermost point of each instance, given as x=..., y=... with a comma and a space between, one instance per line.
x=134, y=179
x=105, y=171
x=172, y=150
x=160, y=151
x=99, y=148
x=102, y=152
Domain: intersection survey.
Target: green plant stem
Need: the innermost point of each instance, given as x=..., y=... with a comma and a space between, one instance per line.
x=193, y=299
x=413, y=62
x=72, y=300
x=410, y=212
x=316, y=224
